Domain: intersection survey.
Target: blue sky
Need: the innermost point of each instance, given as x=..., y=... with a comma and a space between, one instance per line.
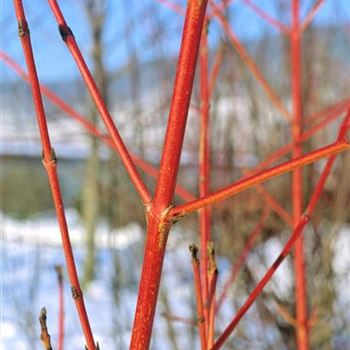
x=54, y=62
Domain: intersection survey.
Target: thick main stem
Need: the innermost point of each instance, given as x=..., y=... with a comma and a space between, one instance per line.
x=297, y=190
x=158, y=222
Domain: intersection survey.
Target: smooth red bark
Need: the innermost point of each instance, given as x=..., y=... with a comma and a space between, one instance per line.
x=297, y=180
x=123, y=152
x=298, y=230
x=199, y=297
x=158, y=222
x=260, y=177
x=49, y=161
x=204, y=166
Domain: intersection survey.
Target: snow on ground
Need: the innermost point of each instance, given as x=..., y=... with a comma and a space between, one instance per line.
x=31, y=249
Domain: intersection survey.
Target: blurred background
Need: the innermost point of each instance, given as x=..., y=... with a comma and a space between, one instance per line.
x=131, y=47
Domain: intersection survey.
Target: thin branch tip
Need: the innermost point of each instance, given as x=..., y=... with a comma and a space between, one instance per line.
x=212, y=266
x=44, y=336
x=59, y=272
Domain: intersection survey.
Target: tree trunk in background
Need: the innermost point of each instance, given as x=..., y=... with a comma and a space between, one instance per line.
x=90, y=199
x=172, y=336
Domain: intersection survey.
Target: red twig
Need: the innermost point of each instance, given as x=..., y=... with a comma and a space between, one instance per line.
x=274, y=22
x=242, y=257
x=247, y=59
x=59, y=272
x=183, y=320
x=204, y=166
x=158, y=223
x=215, y=69
x=284, y=150
x=173, y=6
x=260, y=177
x=273, y=203
x=44, y=336
x=69, y=40
x=211, y=302
x=329, y=114
x=297, y=181
x=221, y=6
x=260, y=286
x=199, y=298
x=49, y=161
x=329, y=111
x=304, y=219
x=310, y=16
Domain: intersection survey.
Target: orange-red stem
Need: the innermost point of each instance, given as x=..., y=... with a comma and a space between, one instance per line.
x=60, y=342
x=310, y=16
x=298, y=230
x=49, y=161
x=173, y=6
x=199, y=297
x=247, y=59
x=273, y=203
x=204, y=166
x=260, y=177
x=329, y=114
x=212, y=308
x=260, y=286
x=158, y=222
x=297, y=180
x=274, y=22
x=123, y=152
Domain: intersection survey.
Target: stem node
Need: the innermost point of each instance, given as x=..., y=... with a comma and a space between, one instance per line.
x=65, y=31
x=76, y=293
x=23, y=28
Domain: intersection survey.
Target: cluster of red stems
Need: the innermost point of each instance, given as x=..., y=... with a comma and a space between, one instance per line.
x=161, y=212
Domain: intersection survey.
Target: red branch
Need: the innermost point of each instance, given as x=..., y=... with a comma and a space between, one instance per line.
x=59, y=272
x=304, y=219
x=125, y=157
x=273, y=203
x=260, y=286
x=274, y=22
x=199, y=298
x=158, y=224
x=329, y=114
x=310, y=16
x=260, y=177
x=297, y=179
x=215, y=69
x=204, y=166
x=49, y=161
x=173, y=6
x=211, y=302
x=247, y=59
